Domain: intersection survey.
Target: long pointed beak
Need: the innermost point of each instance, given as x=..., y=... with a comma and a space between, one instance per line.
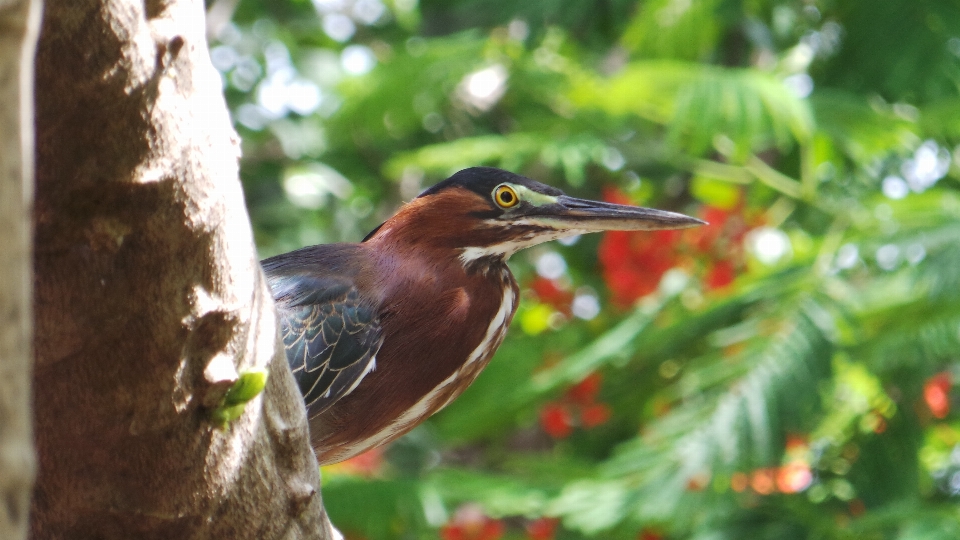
x=593, y=216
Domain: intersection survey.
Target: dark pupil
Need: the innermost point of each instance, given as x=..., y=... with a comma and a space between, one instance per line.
x=506, y=197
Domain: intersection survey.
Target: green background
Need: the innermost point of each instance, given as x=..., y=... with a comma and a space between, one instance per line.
x=784, y=373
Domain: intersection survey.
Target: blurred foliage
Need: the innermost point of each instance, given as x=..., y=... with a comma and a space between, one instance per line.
x=786, y=372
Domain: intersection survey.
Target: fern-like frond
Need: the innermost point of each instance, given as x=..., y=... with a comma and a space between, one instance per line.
x=862, y=130
x=732, y=424
x=699, y=103
x=674, y=29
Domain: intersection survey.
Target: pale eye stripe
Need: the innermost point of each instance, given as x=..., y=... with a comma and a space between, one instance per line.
x=532, y=197
x=527, y=195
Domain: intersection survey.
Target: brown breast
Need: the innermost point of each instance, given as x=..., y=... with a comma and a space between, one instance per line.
x=441, y=325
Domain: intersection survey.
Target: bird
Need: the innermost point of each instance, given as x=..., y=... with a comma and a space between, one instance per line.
x=383, y=333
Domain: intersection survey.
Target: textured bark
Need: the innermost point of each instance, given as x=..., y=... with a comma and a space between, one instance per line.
x=149, y=297
x=18, y=33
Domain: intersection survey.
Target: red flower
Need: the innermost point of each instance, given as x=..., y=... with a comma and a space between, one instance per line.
x=550, y=292
x=739, y=482
x=542, y=529
x=881, y=424
x=585, y=391
x=698, y=482
x=794, y=477
x=614, y=195
x=469, y=523
x=704, y=239
x=936, y=392
x=634, y=262
x=720, y=275
x=579, y=401
x=556, y=421
x=857, y=508
x=650, y=534
x=797, y=441
x=614, y=249
x=594, y=415
x=726, y=229
x=762, y=481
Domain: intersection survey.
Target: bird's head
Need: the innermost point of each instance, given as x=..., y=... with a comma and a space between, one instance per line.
x=488, y=213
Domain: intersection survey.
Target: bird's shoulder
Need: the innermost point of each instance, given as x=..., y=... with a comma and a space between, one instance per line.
x=314, y=274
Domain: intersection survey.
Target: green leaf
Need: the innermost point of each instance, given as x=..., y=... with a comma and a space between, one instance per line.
x=446, y=158
x=247, y=387
x=223, y=415
x=674, y=30
x=861, y=128
x=715, y=192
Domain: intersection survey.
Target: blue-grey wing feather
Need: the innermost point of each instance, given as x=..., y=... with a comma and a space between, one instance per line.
x=331, y=336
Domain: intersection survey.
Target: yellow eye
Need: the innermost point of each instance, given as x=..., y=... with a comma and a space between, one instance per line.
x=505, y=196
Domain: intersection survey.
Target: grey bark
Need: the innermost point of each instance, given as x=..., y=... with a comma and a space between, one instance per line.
x=149, y=296
x=19, y=21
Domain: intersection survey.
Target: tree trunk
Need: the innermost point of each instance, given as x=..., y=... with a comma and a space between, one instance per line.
x=149, y=297
x=19, y=22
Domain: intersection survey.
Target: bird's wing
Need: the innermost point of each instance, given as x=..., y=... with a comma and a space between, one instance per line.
x=331, y=337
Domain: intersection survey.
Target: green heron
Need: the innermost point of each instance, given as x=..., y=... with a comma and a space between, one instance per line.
x=382, y=334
